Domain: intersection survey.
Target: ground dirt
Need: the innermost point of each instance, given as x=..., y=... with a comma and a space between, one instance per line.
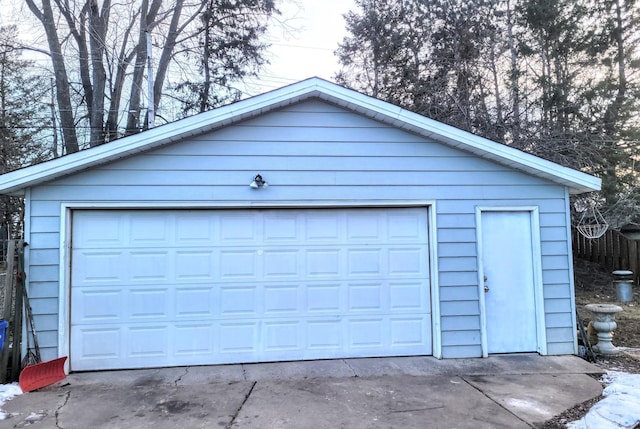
x=594, y=285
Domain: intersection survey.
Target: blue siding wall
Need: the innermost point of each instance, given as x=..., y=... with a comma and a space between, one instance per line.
x=316, y=151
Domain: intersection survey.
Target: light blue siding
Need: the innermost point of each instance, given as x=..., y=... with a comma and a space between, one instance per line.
x=456, y=293
x=555, y=248
x=44, y=289
x=316, y=151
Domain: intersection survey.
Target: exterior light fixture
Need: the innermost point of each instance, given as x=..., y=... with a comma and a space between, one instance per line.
x=258, y=182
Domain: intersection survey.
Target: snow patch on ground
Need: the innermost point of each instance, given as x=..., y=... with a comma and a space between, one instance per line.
x=7, y=392
x=620, y=408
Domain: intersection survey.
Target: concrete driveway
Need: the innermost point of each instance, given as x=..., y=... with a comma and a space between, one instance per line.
x=519, y=391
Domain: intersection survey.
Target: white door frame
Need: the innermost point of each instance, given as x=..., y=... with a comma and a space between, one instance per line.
x=541, y=337
x=64, y=269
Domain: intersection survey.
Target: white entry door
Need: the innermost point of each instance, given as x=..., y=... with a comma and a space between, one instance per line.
x=509, y=283
x=193, y=287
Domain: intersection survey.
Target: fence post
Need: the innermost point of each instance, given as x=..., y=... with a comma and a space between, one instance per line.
x=10, y=281
x=602, y=250
x=624, y=253
x=616, y=250
x=609, y=250
x=16, y=357
x=633, y=257
x=579, y=244
x=9, y=288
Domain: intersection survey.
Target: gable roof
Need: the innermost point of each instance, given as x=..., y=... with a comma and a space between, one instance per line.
x=578, y=182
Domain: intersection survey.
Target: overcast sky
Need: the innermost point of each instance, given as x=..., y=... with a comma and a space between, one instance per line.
x=309, y=51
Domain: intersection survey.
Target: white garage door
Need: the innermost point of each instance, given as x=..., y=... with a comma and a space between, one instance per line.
x=193, y=287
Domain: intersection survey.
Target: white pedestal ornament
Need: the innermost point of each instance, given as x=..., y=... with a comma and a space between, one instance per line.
x=604, y=322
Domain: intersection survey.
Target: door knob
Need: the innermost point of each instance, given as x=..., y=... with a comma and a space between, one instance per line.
x=486, y=288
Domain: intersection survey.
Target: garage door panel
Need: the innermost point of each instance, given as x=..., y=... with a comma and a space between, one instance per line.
x=195, y=302
x=282, y=300
x=239, y=301
x=148, y=303
x=238, y=228
x=98, y=342
x=366, y=333
x=97, y=305
x=365, y=297
x=230, y=342
x=325, y=335
x=408, y=332
x=195, y=229
x=149, y=266
x=148, y=341
x=322, y=228
x=238, y=337
x=407, y=262
x=407, y=297
x=129, y=302
x=148, y=229
x=406, y=226
x=228, y=286
x=195, y=265
x=324, y=263
x=281, y=228
x=194, y=339
x=101, y=229
x=282, y=335
x=364, y=262
x=238, y=264
x=99, y=267
x=325, y=298
x=364, y=227
x=281, y=264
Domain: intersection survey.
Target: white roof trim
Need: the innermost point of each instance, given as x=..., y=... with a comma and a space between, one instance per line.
x=578, y=182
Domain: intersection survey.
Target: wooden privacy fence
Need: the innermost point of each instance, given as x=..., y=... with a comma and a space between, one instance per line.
x=612, y=251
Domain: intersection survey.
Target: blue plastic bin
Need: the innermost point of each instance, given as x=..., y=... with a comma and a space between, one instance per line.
x=3, y=332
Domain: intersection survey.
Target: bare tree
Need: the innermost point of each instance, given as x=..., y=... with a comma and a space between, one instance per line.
x=63, y=92
x=105, y=45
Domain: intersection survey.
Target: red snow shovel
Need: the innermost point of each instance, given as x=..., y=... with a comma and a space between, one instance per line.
x=42, y=374
x=35, y=373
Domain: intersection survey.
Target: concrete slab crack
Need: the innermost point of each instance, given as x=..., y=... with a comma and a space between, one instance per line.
x=179, y=379
x=66, y=400
x=355, y=374
x=235, y=415
x=496, y=402
x=416, y=409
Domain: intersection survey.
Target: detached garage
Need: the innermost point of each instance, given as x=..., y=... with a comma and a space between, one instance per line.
x=311, y=222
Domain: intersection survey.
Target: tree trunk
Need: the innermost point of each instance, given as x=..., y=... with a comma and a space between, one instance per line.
x=147, y=16
x=117, y=85
x=167, y=50
x=80, y=35
x=500, y=131
x=60, y=72
x=514, y=76
x=133, y=115
x=97, y=34
x=613, y=110
x=204, y=95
